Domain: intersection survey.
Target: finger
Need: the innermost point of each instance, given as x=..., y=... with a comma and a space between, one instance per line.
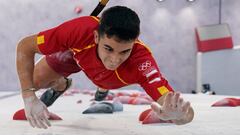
x=156, y=108
x=175, y=99
x=45, y=118
x=46, y=113
x=30, y=121
x=46, y=122
x=41, y=121
x=43, y=124
x=185, y=107
x=33, y=121
x=38, y=121
x=180, y=103
x=168, y=99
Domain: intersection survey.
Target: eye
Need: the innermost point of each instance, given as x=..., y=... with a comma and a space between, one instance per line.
x=125, y=52
x=108, y=49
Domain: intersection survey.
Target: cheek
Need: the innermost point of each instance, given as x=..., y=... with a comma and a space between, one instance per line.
x=128, y=55
x=103, y=55
x=125, y=57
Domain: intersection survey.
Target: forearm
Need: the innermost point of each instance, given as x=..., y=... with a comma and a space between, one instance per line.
x=25, y=67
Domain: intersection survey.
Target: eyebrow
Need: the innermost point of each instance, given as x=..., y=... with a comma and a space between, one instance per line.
x=108, y=46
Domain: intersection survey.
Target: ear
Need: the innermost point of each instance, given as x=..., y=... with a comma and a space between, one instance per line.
x=96, y=36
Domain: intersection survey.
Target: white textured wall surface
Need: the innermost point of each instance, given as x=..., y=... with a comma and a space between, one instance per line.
x=220, y=69
x=168, y=29
x=207, y=120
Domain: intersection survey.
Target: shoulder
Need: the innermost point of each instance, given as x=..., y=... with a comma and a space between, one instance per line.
x=86, y=21
x=140, y=46
x=140, y=53
x=81, y=32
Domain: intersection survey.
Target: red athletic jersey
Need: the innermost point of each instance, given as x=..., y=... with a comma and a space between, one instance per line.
x=77, y=35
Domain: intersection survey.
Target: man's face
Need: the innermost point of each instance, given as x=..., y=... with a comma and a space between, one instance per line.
x=111, y=51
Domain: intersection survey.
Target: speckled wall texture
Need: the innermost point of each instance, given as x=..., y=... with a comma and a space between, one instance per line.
x=167, y=27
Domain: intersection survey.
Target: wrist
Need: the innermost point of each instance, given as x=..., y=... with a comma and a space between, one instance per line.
x=28, y=92
x=30, y=100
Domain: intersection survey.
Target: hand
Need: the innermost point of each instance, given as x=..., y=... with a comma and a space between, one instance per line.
x=36, y=112
x=173, y=108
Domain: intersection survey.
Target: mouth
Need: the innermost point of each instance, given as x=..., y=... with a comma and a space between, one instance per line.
x=112, y=67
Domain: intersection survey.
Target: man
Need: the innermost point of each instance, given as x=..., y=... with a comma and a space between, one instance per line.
x=107, y=51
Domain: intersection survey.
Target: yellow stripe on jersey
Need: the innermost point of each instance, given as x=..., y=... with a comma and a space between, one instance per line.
x=141, y=43
x=120, y=78
x=163, y=90
x=79, y=50
x=40, y=39
x=95, y=18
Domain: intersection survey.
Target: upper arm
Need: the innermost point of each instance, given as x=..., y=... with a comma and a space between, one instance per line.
x=29, y=44
x=67, y=35
x=55, y=39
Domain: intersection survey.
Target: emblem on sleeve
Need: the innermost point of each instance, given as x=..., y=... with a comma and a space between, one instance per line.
x=144, y=66
x=40, y=39
x=163, y=90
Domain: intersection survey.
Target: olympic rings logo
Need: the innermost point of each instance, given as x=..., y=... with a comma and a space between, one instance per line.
x=144, y=66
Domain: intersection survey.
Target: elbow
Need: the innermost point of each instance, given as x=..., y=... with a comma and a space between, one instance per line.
x=26, y=46
x=20, y=49
x=21, y=45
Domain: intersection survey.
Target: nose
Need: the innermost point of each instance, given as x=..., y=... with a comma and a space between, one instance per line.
x=115, y=59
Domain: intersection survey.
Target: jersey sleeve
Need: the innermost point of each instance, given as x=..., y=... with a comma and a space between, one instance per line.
x=150, y=78
x=66, y=35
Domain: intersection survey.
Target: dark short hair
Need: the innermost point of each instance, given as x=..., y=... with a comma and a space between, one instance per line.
x=120, y=22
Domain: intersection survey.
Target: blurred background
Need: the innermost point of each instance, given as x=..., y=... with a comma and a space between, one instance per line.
x=167, y=27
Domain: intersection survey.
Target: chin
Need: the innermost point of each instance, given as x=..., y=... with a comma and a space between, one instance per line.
x=111, y=68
